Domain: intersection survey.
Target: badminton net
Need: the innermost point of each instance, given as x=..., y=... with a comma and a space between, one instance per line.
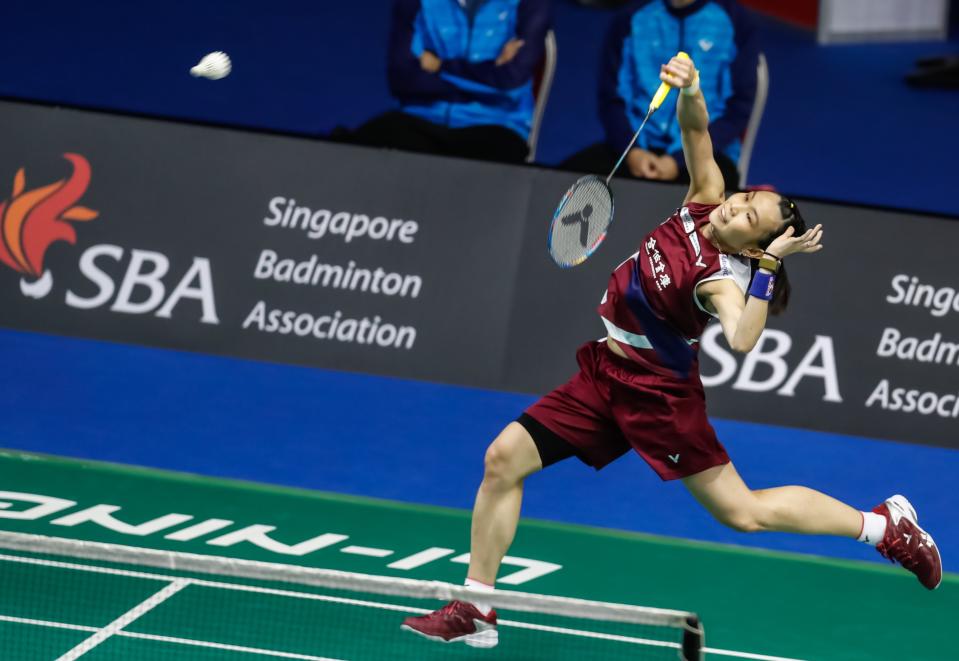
x=67, y=599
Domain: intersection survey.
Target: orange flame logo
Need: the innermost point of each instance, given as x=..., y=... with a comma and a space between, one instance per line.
x=32, y=220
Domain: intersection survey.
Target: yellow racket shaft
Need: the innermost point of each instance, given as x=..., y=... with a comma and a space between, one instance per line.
x=664, y=89
x=658, y=99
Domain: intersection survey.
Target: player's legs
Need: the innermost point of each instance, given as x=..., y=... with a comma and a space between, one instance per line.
x=510, y=458
x=572, y=420
x=786, y=509
x=892, y=526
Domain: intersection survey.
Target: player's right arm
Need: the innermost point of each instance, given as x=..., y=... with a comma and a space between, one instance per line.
x=706, y=184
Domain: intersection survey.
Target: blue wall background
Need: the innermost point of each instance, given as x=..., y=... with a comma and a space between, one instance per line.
x=840, y=123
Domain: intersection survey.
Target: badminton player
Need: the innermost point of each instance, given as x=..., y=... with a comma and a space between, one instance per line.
x=639, y=388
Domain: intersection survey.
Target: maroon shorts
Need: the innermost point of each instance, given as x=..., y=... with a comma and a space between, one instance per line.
x=613, y=404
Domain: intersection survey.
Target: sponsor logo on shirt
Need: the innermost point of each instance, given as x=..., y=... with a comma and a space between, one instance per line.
x=724, y=265
x=689, y=226
x=657, y=265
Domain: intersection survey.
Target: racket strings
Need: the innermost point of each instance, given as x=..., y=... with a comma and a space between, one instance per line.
x=581, y=221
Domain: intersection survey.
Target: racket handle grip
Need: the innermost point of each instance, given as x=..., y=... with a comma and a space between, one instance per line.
x=664, y=88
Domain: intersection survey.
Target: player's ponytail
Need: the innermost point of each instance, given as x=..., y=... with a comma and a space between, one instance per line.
x=782, y=289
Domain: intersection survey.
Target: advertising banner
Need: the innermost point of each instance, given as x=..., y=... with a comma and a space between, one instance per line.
x=256, y=246
x=292, y=250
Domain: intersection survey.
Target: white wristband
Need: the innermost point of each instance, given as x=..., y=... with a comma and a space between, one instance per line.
x=693, y=89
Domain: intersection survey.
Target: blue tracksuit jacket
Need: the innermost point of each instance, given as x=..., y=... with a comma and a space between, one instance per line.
x=467, y=36
x=720, y=38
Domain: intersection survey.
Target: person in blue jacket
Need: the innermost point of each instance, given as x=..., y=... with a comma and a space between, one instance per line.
x=462, y=72
x=720, y=37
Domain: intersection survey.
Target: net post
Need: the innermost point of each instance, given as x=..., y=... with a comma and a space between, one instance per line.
x=693, y=642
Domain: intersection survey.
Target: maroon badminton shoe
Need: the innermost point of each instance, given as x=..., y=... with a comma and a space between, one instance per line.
x=908, y=544
x=457, y=621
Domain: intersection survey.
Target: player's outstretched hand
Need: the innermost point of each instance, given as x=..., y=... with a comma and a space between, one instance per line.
x=678, y=72
x=787, y=244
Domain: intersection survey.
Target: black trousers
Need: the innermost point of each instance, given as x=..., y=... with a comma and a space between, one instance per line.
x=398, y=130
x=600, y=159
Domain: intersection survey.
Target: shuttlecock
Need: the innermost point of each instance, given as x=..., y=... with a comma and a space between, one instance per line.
x=214, y=66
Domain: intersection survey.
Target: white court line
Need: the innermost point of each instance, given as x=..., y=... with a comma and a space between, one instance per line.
x=134, y=613
x=170, y=639
x=367, y=551
x=48, y=624
x=592, y=634
x=88, y=568
x=747, y=655
x=224, y=646
x=355, y=602
x=421, y=558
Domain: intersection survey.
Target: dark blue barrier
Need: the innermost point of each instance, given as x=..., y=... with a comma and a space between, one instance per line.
x=297, y=251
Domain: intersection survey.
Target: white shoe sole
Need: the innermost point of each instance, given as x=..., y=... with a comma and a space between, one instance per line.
x=481, y=639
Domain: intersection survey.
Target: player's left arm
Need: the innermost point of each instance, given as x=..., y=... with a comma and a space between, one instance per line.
x=744, y=318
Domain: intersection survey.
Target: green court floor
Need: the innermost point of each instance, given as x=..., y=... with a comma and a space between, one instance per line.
x=753, y=604
x=233, y=620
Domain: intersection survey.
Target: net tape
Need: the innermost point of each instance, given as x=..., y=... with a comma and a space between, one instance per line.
x=340, y=580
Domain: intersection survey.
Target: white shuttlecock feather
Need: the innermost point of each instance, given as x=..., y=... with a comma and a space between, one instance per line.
x=214, y=66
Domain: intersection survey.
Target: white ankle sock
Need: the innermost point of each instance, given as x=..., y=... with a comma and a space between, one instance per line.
x=873, y=528
x=479, y=587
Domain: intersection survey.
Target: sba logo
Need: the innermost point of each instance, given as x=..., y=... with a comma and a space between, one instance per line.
x=146, y=271
x=32, y=220
x=769, y=355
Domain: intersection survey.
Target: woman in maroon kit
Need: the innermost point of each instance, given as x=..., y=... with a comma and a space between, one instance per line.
x=639, y=387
